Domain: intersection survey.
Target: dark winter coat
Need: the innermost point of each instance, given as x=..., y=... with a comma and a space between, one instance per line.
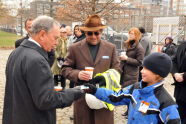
x=169, y=49
x=179, y=66
x=29, y=94
x=80, y=38
x=131, y=66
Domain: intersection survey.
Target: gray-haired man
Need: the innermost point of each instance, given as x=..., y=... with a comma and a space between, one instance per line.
x=29, y=95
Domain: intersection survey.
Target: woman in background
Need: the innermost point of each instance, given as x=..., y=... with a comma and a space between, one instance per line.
x=132, y=60
x=169, y=48
x=78, y=36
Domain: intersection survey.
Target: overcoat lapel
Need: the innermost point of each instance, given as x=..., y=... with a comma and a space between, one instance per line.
x=85, y=52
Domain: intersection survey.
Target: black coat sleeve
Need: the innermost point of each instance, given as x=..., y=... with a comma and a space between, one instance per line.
x=41, y=86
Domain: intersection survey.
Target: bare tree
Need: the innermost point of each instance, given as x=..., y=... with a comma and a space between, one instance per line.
x=3, y=10
x=5, y=17
x=78, y=10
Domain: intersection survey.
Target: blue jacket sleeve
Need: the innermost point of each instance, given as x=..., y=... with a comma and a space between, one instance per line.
x=103, y=94
x=170, y=115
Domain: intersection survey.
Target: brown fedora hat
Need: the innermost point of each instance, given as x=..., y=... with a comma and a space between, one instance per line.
x=93, y=23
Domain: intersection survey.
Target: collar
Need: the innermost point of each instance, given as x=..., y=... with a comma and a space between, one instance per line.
x=150, y=88
x=30, y=39
x=32, y=45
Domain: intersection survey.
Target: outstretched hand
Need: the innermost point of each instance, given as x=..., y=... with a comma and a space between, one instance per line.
x=91, y=88
x=114, y=98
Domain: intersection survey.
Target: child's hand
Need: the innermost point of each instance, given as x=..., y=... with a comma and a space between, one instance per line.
x=114, y=98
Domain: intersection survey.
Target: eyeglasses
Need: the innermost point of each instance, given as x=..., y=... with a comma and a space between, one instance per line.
x=89, y=33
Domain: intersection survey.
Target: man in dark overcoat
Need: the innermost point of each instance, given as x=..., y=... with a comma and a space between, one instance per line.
x=90, y=52
x=28, y=24
x=179, y=74
x=29, y=94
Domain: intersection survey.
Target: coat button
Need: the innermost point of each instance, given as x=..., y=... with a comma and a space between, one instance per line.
x=133, y=118
x=139, y=98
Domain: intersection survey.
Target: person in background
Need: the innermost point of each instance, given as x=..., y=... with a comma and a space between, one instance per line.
x=60, y=54
x=90, y=52
x=30, y=97
x=63, y=25
x=73, y=37
x=78, y=35
x=148, y=100
x=146, y=43
x=179, y=74
x=69, y=31
x=28, y=24
x=132, y=60
x=169, y=48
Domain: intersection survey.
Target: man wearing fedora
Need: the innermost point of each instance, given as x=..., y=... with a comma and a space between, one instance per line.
x=90, y=52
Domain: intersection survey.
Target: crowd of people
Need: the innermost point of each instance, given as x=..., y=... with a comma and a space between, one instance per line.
x=52, y=53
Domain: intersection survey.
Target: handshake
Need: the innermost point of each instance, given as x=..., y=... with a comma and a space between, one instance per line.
x=90, y=86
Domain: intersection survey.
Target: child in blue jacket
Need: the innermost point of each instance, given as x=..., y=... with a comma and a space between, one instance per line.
x=148, y=100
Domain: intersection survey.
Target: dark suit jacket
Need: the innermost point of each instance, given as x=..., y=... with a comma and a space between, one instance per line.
x=80, y=57
x=29, y=94
x=51, y=54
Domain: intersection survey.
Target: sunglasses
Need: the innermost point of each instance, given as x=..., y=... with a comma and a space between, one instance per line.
x=89, y=33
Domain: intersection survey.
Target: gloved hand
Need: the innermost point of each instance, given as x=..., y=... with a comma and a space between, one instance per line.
x=98, y=80
x=92, y=88
x=114, y=98
x=70, y=95
x=78, y=92
x=60, y=62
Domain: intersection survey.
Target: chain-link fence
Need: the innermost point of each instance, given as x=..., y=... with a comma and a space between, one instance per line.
x=158, y=28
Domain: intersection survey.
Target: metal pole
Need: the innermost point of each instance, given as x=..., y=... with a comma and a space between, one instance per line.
x=51, y=6
x=21, y=13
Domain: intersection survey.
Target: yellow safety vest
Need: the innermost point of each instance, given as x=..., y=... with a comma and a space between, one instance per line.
x=112, y=78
